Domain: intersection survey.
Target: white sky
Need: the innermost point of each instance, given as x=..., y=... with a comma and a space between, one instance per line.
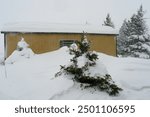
x=69, y=11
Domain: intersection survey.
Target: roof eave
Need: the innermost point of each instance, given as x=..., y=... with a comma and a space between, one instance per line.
x=26, y=32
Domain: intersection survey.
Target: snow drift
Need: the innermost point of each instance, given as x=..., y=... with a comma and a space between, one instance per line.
x=33, y=78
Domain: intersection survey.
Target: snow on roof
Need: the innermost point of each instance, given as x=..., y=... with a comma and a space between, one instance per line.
x=57, y=28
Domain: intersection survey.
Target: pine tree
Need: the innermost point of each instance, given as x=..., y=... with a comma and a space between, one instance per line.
x=133, y=37
x=138, y=23
x=81, y=73
x=84, y=44
x=108, y=21
x=122, y=39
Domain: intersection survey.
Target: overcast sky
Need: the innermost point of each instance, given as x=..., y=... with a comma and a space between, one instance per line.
x=70, y=11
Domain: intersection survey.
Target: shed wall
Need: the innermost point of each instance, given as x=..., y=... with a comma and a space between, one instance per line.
x=41, y=43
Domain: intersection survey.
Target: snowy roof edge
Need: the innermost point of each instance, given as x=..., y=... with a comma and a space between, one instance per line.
x=57, y=28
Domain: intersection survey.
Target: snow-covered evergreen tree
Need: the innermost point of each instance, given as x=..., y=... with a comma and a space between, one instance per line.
x=79, y=68
x=133, y=37
x=124, y=32
x=108, y=21
x=138, y=25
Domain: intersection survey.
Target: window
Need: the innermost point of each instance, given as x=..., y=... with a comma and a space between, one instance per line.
x=66, y=42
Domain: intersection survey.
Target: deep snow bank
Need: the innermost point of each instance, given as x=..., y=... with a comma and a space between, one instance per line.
x=33, y=78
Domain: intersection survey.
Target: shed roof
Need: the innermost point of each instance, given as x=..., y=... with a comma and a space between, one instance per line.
x=57, y=28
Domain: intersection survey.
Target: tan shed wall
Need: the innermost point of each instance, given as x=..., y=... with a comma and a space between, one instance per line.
x=41, y=43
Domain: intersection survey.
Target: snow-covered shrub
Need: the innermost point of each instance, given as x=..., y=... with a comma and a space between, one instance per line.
x=22, y=51
x=80, y=67
x=22, y=45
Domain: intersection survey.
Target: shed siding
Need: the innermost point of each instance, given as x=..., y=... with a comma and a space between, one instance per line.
x=41, y=43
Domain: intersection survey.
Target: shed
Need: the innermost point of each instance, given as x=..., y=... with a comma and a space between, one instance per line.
x=49, y=37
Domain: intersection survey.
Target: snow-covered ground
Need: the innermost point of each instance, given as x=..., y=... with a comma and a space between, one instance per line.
x=33, y=78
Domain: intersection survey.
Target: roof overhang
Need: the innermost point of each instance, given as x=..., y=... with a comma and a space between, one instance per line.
x=59, y=28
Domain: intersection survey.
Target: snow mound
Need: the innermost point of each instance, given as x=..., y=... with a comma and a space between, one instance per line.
x=34, y=78
x=22, y=52
x=19, y=55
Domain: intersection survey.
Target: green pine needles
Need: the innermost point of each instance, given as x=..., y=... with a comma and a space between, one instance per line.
x=81, y=73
